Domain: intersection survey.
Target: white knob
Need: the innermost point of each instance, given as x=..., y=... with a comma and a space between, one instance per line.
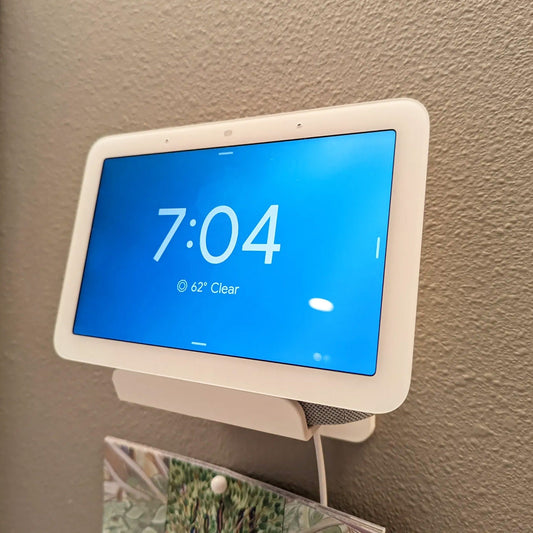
x=219, y=484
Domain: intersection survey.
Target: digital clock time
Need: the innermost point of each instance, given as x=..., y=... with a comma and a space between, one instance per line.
x=269, y=247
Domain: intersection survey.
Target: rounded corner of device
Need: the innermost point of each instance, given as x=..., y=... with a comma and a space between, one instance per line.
x=95, y=145
x=58, y=343
x=98, y=147
x=414, y=103
x=394, y=402
x=415, y=109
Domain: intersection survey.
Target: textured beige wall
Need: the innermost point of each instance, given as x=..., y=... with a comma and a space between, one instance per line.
x=457, y=456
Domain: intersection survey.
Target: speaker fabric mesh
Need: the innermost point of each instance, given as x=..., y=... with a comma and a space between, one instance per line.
x=320, y=415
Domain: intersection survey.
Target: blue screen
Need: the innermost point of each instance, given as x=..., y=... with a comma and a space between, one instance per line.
x=271, y=251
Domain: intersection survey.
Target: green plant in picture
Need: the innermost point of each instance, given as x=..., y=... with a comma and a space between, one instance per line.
x=135, y=487
x=243, y=508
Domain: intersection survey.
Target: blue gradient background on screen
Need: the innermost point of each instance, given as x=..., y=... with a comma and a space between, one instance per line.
x=333, y=195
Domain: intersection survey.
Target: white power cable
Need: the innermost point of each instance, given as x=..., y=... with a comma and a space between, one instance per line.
x=321, y=468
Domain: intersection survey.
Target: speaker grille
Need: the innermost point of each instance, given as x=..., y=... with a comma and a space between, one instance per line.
x=320, y=415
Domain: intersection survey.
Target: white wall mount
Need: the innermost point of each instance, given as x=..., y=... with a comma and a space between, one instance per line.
x=269, y=414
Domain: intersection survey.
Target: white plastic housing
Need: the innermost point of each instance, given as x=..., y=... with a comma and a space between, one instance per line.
x=243, y=409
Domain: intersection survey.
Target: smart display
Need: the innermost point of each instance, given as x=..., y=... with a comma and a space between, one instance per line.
x=277, y=255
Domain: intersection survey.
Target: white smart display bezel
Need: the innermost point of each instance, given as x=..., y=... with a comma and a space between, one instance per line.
x=382, y=392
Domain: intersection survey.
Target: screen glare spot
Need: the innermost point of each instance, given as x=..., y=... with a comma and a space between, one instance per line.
x=321, y=304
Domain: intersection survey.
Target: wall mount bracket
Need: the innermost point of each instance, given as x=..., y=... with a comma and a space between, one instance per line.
x=269, y=414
